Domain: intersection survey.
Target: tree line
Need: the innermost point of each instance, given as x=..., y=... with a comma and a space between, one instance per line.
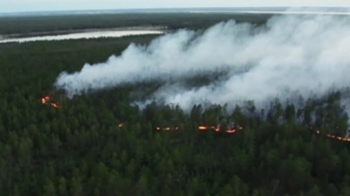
x=40, y=24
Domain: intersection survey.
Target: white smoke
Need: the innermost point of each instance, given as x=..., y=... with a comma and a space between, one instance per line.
x=306, y=55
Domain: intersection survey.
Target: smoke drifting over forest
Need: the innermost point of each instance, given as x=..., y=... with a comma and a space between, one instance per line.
x=290, y=55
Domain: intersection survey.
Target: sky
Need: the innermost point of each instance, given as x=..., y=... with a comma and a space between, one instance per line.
x=7, y=6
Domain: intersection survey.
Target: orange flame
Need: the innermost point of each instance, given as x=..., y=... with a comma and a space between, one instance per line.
x=217, y=129
x=45, y=100
x=233, y=130
x=202, y=127
x=346, y=139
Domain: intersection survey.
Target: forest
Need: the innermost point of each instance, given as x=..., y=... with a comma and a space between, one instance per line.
x=37, y=24
x=99, y=144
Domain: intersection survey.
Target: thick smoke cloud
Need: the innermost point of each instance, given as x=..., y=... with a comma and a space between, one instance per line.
x=291, y=55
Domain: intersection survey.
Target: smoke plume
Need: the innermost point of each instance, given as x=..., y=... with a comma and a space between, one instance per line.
x=289, y=56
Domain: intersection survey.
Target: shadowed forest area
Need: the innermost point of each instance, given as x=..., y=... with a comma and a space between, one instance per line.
x=80, y=149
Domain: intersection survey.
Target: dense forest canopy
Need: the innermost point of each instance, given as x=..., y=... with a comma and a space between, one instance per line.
x=80, y=148
x=37, y=24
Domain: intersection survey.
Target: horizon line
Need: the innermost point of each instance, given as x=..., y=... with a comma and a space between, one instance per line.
x=168, y=8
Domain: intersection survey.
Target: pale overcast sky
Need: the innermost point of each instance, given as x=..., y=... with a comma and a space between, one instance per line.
x=51, y=5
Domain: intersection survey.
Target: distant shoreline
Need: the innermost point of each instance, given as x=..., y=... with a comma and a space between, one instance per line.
x=65, y=32
x=195, y=19
x=170, y=10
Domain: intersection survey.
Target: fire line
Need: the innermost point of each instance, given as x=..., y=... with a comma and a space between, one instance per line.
x=47, y=101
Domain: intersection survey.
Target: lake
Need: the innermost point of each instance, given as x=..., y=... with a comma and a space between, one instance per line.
x=82, y=35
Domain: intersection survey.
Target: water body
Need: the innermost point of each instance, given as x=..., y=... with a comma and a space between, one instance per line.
x=83, y=35
x=128, y=32
x=174, y=10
